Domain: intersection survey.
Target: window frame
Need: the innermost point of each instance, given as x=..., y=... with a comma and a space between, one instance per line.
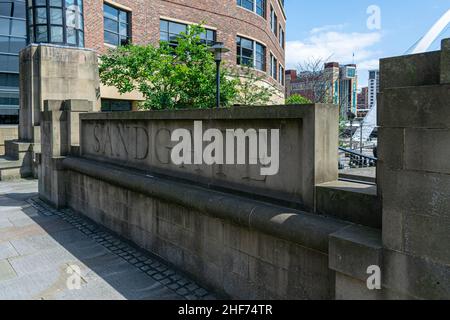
x=255, y=7
x=255, y=55
x=128, y=23
x=206, y=41
x=282, y=36
x=32, y=9
x=273, y=67
x=273, y=21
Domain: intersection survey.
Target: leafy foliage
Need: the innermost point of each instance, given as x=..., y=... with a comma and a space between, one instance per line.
x=297, y=99
x=250, y=91
x=168, y=77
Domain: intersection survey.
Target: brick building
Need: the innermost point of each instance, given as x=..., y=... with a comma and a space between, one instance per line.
x=253, y=30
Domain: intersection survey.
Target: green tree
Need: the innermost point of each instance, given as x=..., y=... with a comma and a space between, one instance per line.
x=297, y=99
x=181, y=76
x=250, y=91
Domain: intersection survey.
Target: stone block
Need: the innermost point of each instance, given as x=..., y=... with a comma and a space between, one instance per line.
x=391, y=145
x=410, y=71
x=445, y=61
x=354, y=249
x=427, y=150
x=417, y=107
x=348, y=288
x=416, y=213
x=353, y=202
x=415, y=277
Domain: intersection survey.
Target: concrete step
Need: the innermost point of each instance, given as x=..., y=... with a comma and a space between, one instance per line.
x=350, y=201
x=11, y=169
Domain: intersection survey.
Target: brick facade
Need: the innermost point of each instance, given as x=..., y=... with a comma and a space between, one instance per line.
x=225, y=16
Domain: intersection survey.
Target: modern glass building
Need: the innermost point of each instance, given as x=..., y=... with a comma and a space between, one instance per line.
x=13, y=37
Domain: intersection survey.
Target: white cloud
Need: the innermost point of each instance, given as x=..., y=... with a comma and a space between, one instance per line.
x=331, y=43
x=333, y=27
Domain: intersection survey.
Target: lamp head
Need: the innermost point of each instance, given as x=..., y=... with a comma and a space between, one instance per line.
x=218, y=49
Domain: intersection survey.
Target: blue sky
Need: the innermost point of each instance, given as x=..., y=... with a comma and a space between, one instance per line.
x=324, y=28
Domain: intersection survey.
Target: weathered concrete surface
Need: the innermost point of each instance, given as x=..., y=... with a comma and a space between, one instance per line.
x=242, y=262
x=7, y=132
x=142, y=140
x=39, y=246
x=350, y=201
x=49, y=72
x=368, y=175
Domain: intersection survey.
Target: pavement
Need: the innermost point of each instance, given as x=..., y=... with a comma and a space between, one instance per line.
x=49, y=254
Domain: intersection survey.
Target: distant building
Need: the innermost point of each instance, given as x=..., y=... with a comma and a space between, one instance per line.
x=254, y=31
x=290, y=76
x=374, y=87
x=363, y=103
x=332, y=74
x=348, y=86
x=334, y=84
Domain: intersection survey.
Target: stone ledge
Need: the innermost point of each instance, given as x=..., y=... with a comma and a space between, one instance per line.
x=235, y=113
x=354, y=249
x=305, y=229
x=350, y=201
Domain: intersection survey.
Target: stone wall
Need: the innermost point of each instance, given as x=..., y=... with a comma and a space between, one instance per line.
x=228, y=236
x=241, y=248
x=412, y=249
x=307, y=147
x=7, y=132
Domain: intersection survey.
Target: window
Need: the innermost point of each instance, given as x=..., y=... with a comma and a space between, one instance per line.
x=170, y=31
x=250, y=53
x=109, y=105
x=281, y=33
x=13, y=38
x=117, y=31
x=281, y=73
x=273, y=21
x=56, y=21
x=273, y=66
x=257, y=6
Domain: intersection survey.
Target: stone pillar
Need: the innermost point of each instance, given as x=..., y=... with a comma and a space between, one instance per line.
x=49, y=72
x=414, y=173
x=60, y=137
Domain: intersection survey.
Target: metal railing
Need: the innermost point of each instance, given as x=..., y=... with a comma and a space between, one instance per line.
x=352, y=159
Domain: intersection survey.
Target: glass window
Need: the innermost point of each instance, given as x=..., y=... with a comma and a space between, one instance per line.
x=56, y=21
x=257, y=6
x=109, y=105
x=281, y=33
x=273, y=67
x=117, y=29
x=261, y=8
x=170, y=31
x=273, y=21
x=281, y=75
x=250, y=53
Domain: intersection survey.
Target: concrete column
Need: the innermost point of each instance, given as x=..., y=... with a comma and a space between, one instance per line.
x=49, y=72
x=60, y=132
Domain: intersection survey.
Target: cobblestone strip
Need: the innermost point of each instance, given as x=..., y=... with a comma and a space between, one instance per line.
x=144, y=261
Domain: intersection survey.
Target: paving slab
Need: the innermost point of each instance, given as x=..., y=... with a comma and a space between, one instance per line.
x=6, y=271
x=49, y=254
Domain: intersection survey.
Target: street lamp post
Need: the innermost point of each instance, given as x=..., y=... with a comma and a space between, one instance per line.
x=351, y=116
x=218, y=49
